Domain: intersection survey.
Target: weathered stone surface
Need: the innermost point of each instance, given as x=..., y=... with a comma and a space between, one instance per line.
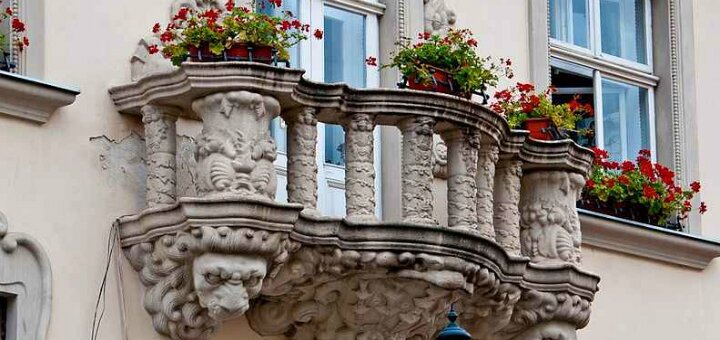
x=205, y=260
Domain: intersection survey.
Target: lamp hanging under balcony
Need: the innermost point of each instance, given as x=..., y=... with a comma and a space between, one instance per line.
x=453, y=331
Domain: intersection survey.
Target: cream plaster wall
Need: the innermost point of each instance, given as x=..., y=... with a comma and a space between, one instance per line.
x=54, y=188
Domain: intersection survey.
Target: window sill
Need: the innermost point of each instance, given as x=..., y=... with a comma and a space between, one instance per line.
x=639, y=239
x=32, y=99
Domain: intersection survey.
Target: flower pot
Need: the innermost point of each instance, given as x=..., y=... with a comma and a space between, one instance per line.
x=237, y=52
x=540, y=128
x=442, y=82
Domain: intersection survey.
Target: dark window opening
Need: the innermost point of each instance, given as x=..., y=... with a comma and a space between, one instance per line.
x=570, y=85
x=4, y=306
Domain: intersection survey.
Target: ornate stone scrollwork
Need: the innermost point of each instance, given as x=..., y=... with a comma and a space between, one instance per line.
x=550, y=225
x=235, y=150
x=200, y=278
x=438, y=16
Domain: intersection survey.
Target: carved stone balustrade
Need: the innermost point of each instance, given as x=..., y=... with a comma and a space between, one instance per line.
x=508, y=258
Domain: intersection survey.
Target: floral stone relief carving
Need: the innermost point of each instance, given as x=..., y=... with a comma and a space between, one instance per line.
x=438, y=16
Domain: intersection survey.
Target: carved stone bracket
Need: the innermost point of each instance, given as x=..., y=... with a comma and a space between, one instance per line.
x=212, y=265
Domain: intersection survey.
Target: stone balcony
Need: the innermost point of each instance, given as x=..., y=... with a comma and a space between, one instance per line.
x=508, y=258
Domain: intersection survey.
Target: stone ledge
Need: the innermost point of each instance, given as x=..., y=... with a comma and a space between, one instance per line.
x=647, y=241
x=32, y=99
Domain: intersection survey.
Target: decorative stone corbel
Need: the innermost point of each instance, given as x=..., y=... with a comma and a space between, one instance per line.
x=25, y=279
x=198, y=277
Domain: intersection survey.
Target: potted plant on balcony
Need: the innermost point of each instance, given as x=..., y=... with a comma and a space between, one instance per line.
x=17, y=39
x=535, y=112
x=641, y=191
x=230, y=34
x=447, y=64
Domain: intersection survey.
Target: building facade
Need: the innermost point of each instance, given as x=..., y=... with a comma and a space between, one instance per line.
x=84, y=149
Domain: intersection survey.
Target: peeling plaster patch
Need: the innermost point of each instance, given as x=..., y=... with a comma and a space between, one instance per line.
x=124, y=162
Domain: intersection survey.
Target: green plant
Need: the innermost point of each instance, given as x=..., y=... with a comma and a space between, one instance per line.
x=454, y=53
x=641, y=186
x=219, y=30
x=520, y=102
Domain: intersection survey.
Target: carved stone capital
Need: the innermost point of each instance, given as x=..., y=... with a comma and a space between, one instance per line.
x=235, y=151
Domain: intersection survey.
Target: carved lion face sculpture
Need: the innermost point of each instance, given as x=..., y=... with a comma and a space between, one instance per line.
x=226, y=283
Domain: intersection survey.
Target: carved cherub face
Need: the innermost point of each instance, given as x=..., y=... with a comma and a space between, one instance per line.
x=226, y=283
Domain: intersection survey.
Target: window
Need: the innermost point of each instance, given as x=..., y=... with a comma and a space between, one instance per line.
x=344, y=62
x=600, y=52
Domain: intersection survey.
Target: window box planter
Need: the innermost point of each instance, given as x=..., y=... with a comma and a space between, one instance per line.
x=542, y=129
x=627, y=211
x=238, y=52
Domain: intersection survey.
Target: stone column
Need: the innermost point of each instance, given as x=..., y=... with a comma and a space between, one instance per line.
x=417, y=170
x=462, y=145
x=302, y=184
x=160, y=145
x=235, y=152
x=359, y=167
x=506, y=219
x=549, y=223
x=487, y=157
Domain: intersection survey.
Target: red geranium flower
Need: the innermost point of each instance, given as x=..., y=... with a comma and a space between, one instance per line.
x=276, y=3
x=525, y=87
x=153, y=49
x=624, y=180
x=371, y=61
x=649, y=192
x=167, y=36
x=9, y=11
x=645, y=153
x=230, y=5
x=17, y=25
x=318, y=33
x=703, y=208
x=628, y=166
x=26, y=41
x=590, y=184
x=695, y=186
x=156, y=28
x=472, y=42
x=182, y=14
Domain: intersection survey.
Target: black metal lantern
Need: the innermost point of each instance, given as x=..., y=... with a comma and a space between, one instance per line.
x=453, y=331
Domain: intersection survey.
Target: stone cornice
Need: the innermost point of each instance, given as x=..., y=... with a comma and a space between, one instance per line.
x=647, y=241
x=555, y=155
x=32, y=99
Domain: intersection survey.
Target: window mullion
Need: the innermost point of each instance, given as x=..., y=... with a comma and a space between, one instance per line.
x=651, y=123
x=596, y=43
x=599, y=133
x=623, y=125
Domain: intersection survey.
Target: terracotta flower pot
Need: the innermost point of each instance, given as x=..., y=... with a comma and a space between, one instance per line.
x=238, y=52
x=442, y=82
x=540, y=128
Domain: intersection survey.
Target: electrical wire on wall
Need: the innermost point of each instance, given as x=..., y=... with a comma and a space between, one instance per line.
x=100, y=302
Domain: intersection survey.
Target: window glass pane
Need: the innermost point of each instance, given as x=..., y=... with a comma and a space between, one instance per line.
x=626, y=124
x=571, y=85
x=622, y=27
x=569, y=21
x=344, y=62
x=278, y=128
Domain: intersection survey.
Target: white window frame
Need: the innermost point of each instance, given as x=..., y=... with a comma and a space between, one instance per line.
x=595, y=40
x=331, y=178
x=593, y=63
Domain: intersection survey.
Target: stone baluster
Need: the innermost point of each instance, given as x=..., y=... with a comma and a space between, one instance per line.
x=417, y=170
x=549, y=223
x=359, y=167
x=161, y=146
x=506, y=219
x=302, y=184
x=487, y=157
x=462, y=145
